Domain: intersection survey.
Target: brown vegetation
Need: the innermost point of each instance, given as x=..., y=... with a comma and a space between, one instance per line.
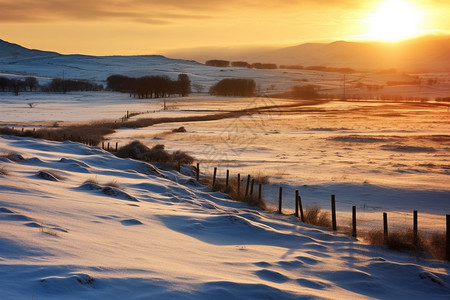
x=157, y=153
x=3, y=171
x=403, y=240
x=220, y=186
x=315, y=216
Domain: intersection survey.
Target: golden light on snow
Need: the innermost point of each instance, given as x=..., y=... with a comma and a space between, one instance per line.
x=394, y=20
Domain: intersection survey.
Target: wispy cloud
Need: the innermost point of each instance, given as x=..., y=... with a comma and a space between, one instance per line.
x=148, y=11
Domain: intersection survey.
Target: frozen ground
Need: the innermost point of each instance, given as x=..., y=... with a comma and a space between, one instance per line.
x=379, y=156
x=133, y=232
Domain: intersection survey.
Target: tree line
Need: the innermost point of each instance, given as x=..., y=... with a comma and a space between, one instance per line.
x=150, y=86
x=31, y=84
x=234, y=87
x=240, y=64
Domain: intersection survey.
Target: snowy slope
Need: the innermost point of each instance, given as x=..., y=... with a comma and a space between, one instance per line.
x=161, y=236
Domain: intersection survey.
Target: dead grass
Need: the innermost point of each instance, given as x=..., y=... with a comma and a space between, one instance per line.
x=315, y=216
x=114, y=184
x=231, y=190
x=48, y=231
x=91, y=181
x=12, y=156
x=435, y=244
x=3, y=171
x=49, y=175
x=403, y=240
x=261, y=177
x=157, y=153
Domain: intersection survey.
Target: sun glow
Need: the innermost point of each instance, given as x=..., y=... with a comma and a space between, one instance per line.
x=394, y=20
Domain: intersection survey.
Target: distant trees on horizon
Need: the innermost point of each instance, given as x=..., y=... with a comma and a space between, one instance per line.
x=31, y=84
x=239, y=64
x=234, y=87
x=150, y=86
x=17, y=85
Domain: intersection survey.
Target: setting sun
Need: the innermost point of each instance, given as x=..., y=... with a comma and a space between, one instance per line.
x=394, y=20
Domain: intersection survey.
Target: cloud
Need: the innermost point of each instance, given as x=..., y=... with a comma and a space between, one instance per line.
x=161, y=11
x=150, y=12
x=145, y=11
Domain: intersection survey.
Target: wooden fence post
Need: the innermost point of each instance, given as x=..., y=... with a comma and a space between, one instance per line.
x=198, y=172
x=239, y=185
x=448, y=239
x=302, y=216
x=228, y=178
x=385, y=227
x=415, y=229
x=296, y=203
x=214, y=177
x=354, y=221
x=117, y=146
x=333, y=212
x=179, y=167
x=280, y=200
x=247, y=188
x=251, y=186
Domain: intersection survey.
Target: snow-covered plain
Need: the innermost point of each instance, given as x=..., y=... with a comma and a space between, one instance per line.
x=159, y=235
x=380, y=156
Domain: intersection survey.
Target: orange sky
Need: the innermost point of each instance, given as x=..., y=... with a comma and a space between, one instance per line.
x=106, y=27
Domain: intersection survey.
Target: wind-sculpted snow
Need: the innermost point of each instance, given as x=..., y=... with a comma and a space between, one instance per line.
x=122, y=229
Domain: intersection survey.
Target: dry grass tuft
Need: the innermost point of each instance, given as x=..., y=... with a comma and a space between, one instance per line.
x=3, y=171
x=49, y=175
x=315, y=216
x=435, y=244
x=403, y=240
x=91, y=181
x=262, y=178
x=114, y=184
x=48, y=231
x=231, y=190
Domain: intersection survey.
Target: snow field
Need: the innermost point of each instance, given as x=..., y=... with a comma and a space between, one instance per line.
x=160, y=235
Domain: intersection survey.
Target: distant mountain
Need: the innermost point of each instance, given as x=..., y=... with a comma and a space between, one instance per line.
x=428, y=53
x=10, y=50
x=423, y=54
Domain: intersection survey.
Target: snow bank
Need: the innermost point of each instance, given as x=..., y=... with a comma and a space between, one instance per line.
x=63, y=240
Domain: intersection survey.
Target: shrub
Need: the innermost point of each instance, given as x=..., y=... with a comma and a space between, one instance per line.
x=157, y=153
x=179, y=129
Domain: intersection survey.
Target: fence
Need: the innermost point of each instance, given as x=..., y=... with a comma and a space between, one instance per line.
x=299, y=213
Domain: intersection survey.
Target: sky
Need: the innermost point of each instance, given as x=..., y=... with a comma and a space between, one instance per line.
x=109, y=27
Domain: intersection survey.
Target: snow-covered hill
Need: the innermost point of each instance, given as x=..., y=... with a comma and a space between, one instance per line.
x=111, y=228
